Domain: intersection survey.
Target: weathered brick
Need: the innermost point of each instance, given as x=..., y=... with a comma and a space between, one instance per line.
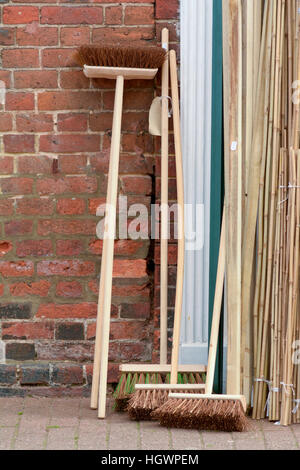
x=69, y=247
x=126, y=291
x=20, y=351
x=133, y=99
x=6, y=165
x=72, y=122
x=130, y=268
x=35, y=288
x=6, y=207
x=35, y=165
x=58, y=58
x=131, y=121
x=72, y=164
x=74, y=36
x=64, y=351
x=7, y=36
x=27, y=330
x=16, y=185
x=5, y=122
x=82, y=310
x=5, y=76
x=16, y=268
x=14, y=310
x=34, y=35
x=71, y=15
x=122, y=247
x=67, y=374
x=66, y=227
x=113, y=15
x=73, y=79
x=65, y=268
x=8, y=374
x=34, y=206
x=73, y=100
x=139, y=15
x=166, y=9
x=34, y=248
x=20, y=58
x=19, y=101
x=38, y=79
x=5, y=247
x=136, y=184
x=32, y=122
x=69, y=143
x=123, y=34
x=20, y=14
x=138, y=144
x=18, y=143
x=34, y=374
x=69, y=331
x=137, y=311
x=70, y=206
x=18, y=227
x=69, y=184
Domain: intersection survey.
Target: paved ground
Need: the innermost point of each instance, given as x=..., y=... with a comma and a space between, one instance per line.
x=60, y=423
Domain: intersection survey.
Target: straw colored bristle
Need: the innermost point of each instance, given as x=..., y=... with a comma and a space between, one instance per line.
x=206, y=414
x=151, y=57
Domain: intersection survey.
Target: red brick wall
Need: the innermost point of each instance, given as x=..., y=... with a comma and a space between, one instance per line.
x=55, y=137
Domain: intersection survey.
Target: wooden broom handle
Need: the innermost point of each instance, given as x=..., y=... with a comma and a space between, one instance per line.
x=180, y=204
x=108, y=243
x=164, y=205
x=214, y=334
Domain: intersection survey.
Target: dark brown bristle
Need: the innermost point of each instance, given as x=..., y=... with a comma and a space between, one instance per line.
x=212, y=415
x=151, y=57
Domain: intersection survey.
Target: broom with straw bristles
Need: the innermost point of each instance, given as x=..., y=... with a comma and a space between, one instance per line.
x=148, y=397
x=117, y=63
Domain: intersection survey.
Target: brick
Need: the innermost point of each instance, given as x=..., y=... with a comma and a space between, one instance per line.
x=65, y=268
x=122, y=247
x=6, y=165
x=29, y=122
x=20, y=15
x=135, y=311
x=131, y=121
x=130, y=268
x=5, y=247
x=6, y=207
x=5, y=76
x=20, y=58
x=35, y=165
x=58, y=58
x=113, y=15
x=19, y=101
x=73, y=79
x=68, y=184
x=166, y=9
x=7, y=374
x=34, y=35
x=133, y=351
x=173, y=30
x=133, y=99
x=18, y=227
x=69, y=247
x=67, y=374
x=74, y=36
x=123, y=34
x=16, y=268
x=5, y=122
x=1, y=289
x=139, y=15
x=72, y=164
x=34, y=248
x=136, y=184
x=138, y=164
x=82, y=310
x=34, y=374
x=64, y=351
x=16, y=185
x=69, y=331
x=38, y=79
x=7, y=36
x=73, y=100
x=24, y=289
x=20, y=351
x=27, y=330
x=16, y=311
x=34, y=206
x=71, y=15
x=15, y=143
x=138, y=144
x=70, y=206
x=66, y=227
x=69, y=143
x=72, y=122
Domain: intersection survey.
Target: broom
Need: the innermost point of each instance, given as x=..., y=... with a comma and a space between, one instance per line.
x=130, y=372
x=118, y=63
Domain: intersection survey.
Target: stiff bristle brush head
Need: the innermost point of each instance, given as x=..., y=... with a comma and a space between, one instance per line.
x=206, y=414
x=150, y=57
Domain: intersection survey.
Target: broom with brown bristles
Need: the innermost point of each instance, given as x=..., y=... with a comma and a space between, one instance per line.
x=118, y=63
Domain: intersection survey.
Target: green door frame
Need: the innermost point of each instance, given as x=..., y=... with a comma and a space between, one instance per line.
x=217, y=184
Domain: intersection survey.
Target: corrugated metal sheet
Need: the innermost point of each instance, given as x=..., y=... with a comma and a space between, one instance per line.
x=196, y=82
